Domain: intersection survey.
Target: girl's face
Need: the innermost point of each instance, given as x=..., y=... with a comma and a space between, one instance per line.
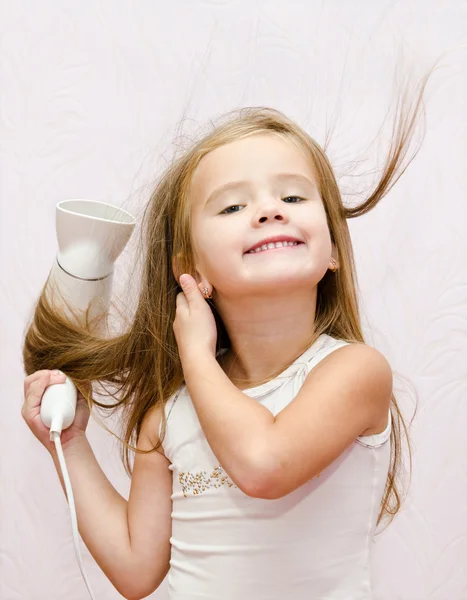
x=271, y=192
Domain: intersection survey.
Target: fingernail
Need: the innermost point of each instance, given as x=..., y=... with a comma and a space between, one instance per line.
x=57, y=372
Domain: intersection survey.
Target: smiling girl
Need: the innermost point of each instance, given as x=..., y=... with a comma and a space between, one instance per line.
x=267, y=434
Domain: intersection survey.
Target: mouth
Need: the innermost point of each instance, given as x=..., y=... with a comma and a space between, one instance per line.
x=275, y=249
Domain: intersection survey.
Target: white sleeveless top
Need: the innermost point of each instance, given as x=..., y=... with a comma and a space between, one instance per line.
x=312, y=544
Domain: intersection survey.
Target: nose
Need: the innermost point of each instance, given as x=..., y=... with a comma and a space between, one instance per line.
x=271, y=211
x=277, y=217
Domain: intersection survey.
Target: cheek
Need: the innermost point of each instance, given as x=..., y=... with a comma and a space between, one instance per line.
x=217, y=250
x=220, y=238
x=323, y=245
x=319, y=245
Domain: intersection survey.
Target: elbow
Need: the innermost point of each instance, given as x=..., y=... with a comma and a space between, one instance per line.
x=135, y=588
x=142, y=576
x=264, y=490
x=133, y=596
x=137, y=592
x=262, y=481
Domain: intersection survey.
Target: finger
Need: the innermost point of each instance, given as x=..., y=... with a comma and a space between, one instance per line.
x=36, y=388
x=189, y=287
x=33, y=377
x=181, y=299
x=38, y=375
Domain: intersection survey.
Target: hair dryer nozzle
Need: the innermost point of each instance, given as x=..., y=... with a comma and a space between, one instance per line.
x=91, y=236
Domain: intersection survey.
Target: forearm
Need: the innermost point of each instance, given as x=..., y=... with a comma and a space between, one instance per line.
x=236, y=426
x=101, y=513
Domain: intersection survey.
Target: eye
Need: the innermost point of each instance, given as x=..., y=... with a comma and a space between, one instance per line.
x=235, y=205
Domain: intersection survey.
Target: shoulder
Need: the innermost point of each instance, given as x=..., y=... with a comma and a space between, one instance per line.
x=360, y=358
x=149, y=432
x=359, y=370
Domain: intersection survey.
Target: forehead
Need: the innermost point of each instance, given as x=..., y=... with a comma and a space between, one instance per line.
x=256, y=158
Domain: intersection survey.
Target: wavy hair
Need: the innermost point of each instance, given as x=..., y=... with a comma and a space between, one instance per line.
x=141, y=362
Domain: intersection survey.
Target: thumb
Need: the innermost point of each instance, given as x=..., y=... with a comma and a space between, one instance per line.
x=188, y=285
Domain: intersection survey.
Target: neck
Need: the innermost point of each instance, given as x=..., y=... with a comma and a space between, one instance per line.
x=261, y=344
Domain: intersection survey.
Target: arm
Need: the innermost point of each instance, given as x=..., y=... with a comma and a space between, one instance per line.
x=128, y=540
x=236, y=426
x=268, y=456
x=101, y=512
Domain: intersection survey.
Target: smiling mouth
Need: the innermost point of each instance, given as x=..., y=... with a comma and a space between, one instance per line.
x=286, y=247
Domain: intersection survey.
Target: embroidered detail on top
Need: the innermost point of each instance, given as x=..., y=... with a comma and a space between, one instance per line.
x=199, y=482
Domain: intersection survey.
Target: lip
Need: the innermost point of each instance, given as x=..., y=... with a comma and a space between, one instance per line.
x=272, y=240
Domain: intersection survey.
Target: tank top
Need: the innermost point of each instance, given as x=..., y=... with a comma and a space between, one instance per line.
x=314, y=543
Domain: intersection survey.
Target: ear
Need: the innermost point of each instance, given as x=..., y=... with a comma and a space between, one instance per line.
x=335, y=255
x=177, y=269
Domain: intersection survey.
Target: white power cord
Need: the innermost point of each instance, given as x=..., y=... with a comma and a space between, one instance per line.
x=71, y=502
x=58, y=410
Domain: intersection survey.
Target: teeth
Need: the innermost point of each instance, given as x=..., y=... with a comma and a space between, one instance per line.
x=272, y=245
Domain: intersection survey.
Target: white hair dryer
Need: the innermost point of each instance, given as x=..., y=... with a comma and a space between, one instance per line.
x=91, y=236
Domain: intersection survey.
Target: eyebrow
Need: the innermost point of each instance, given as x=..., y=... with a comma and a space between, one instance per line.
x=234, y=185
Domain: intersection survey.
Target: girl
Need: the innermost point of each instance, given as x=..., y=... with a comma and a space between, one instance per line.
x=267, y=435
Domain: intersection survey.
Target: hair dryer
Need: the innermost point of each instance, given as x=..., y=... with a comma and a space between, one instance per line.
x=91, y=236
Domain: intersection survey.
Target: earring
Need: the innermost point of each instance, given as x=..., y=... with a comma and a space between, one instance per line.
x=334, y=264
x=206, y=292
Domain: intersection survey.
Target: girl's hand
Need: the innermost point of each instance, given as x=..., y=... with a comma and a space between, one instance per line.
x=194, y=325
x=34, y=388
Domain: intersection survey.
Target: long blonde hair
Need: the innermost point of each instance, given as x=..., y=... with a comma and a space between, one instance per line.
x=142, y=363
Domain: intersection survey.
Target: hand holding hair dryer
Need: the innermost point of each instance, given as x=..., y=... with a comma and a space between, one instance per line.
x=91, y=236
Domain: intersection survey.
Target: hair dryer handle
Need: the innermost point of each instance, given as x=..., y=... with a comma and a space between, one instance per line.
x=58, y=406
